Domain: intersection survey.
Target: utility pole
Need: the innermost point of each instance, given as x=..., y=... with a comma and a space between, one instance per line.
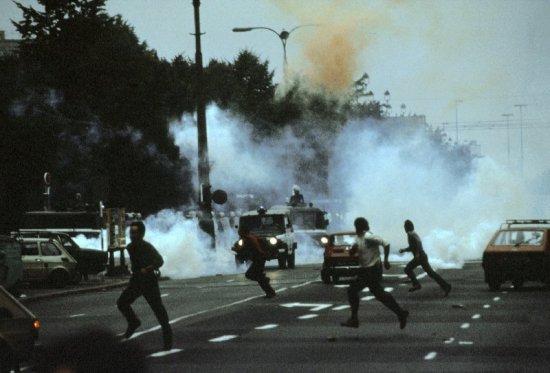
x=205, y=196
x=456, y=119
x=521, y=106
x=507, y=116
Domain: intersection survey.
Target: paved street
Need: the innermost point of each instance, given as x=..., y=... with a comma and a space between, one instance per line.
x=222, y=322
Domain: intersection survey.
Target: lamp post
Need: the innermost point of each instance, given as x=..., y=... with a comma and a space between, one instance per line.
x=283, y=36
x=507, y=116
x=521, y=106
x=457, y=102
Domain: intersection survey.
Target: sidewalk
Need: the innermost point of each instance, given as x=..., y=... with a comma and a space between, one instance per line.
x=95, y=283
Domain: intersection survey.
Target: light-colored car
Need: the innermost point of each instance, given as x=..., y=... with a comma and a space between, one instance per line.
x=519, y=251
x=274, y=229
x=18, y=332
x=47, y=260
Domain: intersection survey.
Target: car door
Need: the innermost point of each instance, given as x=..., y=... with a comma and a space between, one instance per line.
x=33, y=265
x=52, y=256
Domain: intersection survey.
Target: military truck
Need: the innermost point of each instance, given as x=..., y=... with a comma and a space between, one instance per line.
x=274, y=229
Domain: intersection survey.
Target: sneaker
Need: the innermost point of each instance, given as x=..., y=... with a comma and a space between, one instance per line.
x=351, y=323
x=167, y=341
x=403, y=319
x=132, y=327
x=415, y=288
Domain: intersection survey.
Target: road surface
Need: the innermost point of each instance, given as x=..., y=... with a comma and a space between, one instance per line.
x=223, y=323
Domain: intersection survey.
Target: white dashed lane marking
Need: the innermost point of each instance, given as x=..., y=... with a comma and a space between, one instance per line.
x=368, y=297
x=430, y=355
x=496, y=299
x=302, y=284
x=388, y=289
x=77, y=315
x=266, y=327
x=476, y=316
x=465, y=343
x=281, y=290
x=466, y=325
x=341, y=286
x=164, y=295
x=308, y=316
x=340, y=308
x=164, y=353
x=223, y=338
x=486, y=306
x=449, y=341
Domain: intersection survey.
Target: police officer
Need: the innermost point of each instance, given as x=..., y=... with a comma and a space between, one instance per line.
x=145, y=261
x=297, y=198
x=251, y=246
x=420, y=259
x=367, y=245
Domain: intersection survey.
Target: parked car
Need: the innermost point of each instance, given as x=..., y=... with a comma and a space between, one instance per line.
x=18, y=332
x=47, y=260
x=89, y=261
x=11, y=264
x=338, y=260
x=519, y=251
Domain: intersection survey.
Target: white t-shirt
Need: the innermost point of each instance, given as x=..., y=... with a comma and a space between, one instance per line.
x=368, y=249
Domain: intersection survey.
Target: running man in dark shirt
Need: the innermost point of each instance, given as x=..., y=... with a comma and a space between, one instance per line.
x=145, y=261
x=253, y=250
x=420, y=259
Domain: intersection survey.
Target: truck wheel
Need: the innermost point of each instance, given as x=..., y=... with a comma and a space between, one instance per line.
x=77, y=277
x=494, y=284
x=291, y=259
x=282, y=262
x=59, y=279
x=325, y=276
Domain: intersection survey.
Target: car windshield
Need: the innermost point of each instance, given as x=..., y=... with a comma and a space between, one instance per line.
x=264, y=223
x=308, y=219
x=520, y=237
x=344, y=239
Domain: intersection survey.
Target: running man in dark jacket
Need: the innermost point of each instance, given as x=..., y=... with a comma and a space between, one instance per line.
x=145, y=261
x=420, y=259
x=253, y=249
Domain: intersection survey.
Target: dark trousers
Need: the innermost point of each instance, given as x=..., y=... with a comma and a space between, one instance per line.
x=256, y=272
x=371, y=277
x=422, y=261
x=149, y=288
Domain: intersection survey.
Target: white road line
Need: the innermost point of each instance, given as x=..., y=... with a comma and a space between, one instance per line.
x=230, y=280
x=388, y=289
x=178, y=319
x=496, y=299
x=223, y=338
x=302, y=284
x=430, y=355
x=164, y=295
x=422, y=275
x=368, y=297
x=465, y=343
x=341, y=286
x=281, y=290
x=466, y=325
x=77, y=315
x=366, y=290
x=266, y=327
x=476, y=316
x=308, y=316
x=340, y=308
x=449, y=341
x=486, y=306
x=164, y=353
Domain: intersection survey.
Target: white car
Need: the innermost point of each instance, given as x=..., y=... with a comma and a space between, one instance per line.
x=47, y=260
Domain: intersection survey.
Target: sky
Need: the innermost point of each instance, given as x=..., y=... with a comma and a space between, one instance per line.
x=490, y=54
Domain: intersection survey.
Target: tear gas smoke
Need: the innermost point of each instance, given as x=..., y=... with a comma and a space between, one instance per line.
x=385, y=173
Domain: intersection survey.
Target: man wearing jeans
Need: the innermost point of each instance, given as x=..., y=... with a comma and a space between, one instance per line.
x=420, y=259
x=367, y=246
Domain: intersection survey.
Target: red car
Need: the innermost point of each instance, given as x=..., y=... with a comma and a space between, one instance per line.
x=338, y=260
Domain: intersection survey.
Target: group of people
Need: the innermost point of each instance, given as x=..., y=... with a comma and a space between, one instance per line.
x=146, y=261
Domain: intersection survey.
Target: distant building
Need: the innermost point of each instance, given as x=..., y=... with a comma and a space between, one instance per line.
x=8, y=46
x=418, y=120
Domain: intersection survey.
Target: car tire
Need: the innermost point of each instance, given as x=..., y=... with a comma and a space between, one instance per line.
x=282, y=262
x=77, y=278
x=59, y=279
x=291, y=260
x=325, y=276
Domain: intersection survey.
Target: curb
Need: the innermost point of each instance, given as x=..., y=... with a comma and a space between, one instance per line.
x=74, y=291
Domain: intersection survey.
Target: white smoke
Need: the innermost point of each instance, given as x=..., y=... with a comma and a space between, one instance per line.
x=385, y=174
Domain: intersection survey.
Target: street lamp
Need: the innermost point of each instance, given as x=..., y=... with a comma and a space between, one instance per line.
x=283, y=36
x=457, y=102
x=521, y=106
x=507, y=116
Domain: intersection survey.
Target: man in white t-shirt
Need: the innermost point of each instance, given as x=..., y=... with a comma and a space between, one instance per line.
x=367, y=246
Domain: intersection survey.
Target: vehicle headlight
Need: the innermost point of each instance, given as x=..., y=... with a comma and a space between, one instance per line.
x=273, y=241
x=324, y=240
x=240, y=242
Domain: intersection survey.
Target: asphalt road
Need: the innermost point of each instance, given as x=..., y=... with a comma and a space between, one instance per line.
x=224, y=323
